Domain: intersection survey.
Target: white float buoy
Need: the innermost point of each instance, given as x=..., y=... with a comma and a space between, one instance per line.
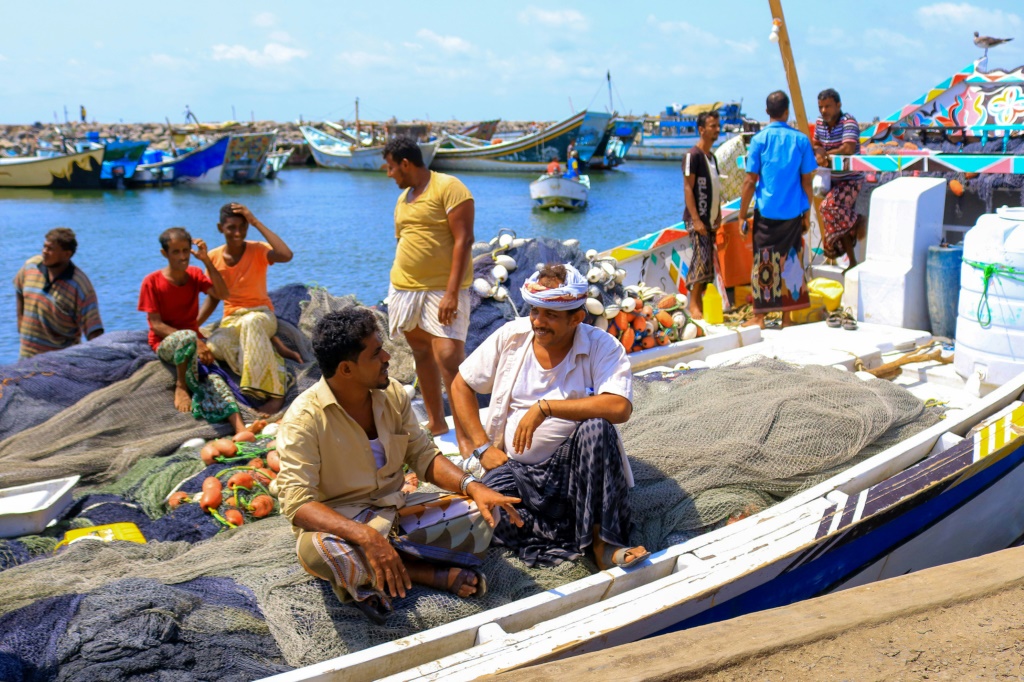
x=501, y=294
x=571, y=243
x=594, y=291
x=410, y=390
x=609, y=270
x=628, y=304
x=594, y=306
x=271, y=429
x=482, y=287
x=679, y=320
x=193, y=443
x=505, y=240
x=689, y=331
x=601, y=322
x=594, y=275
x=518, y=243
x=499, y=273
x=681, y=299
x=620, y=275
x=506, y=261
x=591, y=254
x=611, y=310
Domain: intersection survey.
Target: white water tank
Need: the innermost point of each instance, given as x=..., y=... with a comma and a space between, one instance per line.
x=990, y=329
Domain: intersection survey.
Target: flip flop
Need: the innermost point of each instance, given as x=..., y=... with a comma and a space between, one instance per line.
x=373, y=609
x=441, y=580
x=835, y=319
x=850, y=324
x=619, y=557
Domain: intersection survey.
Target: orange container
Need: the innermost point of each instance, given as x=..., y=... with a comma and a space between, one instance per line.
x=735, y=252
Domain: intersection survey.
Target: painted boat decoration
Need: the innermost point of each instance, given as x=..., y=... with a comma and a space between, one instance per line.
x=529, y=153
x=948, y=493
x=246, y=157
x=70, y=171
x=120, y=160
x=555, y=192
x=618, y=139
x=971, y=107
x=331, y=152
x=484, y=130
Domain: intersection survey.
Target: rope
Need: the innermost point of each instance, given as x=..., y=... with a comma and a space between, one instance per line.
x=988, y=271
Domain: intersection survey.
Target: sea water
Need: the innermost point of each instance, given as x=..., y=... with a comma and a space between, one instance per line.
x=339, y=224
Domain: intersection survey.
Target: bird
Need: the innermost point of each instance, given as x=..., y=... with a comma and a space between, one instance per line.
x=985, y=42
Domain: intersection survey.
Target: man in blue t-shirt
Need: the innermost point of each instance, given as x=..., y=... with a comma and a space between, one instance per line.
x=780, y=166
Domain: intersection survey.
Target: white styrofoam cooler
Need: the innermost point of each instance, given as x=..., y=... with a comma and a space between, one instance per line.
x=28, y=509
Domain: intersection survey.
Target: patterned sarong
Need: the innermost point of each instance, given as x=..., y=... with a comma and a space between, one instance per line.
x=243, y=341
x=441, y=528
x=211, y=397
x=582, y=485
x=839, y=215
x=777, y=279
x=702, y=263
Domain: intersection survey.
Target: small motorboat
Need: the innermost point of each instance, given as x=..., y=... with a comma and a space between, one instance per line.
x=559, y=193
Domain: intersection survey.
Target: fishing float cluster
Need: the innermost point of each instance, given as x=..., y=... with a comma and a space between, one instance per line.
x=639, y=316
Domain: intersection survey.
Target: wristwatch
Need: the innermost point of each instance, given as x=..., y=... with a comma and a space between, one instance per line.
x=472, y=464
x=466, y=480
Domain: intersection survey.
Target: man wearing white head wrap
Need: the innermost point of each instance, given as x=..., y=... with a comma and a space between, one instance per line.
x=557, y=388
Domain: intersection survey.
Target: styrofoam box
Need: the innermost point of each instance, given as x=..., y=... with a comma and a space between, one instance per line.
x=28, y=509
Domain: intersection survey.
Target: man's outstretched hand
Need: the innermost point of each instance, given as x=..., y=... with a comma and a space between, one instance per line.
x=487, y=500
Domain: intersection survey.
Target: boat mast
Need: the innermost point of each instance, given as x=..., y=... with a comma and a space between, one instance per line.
x=358, y=138
x=611, y=103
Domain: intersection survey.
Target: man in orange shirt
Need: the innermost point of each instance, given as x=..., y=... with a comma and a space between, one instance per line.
x=246, y=337
x=554, y=168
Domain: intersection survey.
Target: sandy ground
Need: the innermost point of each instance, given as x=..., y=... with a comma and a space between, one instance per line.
x=977, y=640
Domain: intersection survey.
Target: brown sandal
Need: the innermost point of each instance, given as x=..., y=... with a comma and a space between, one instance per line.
x=441, y=576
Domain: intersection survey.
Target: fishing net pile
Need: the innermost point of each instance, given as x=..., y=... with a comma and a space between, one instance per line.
x=198, y=601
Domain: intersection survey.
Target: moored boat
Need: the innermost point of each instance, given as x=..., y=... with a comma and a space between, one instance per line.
x=559, y=193
x=70, y=171
x=275, y=162
x=669, y=136
x=615, y=144
x=332, y=152
x=231, y=159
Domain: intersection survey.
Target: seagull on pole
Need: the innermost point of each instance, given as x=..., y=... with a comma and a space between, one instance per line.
x=985, y=42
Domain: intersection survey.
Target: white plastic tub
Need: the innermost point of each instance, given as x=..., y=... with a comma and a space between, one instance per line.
x=28, y=509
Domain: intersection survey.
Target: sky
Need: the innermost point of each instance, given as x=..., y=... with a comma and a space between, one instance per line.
x=537, y=61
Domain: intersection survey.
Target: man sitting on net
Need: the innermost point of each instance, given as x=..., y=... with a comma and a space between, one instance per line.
x=557, y=387
x=343, y=444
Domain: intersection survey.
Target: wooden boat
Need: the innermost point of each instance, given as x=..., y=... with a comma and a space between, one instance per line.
x=70, y=171
x=484, y=130
x=558, y=193
x=120, y=157
x=669, y=136
x=530, y=153
x=615, y=144
x=237, y=159
x=275, y=162
x=331, y=152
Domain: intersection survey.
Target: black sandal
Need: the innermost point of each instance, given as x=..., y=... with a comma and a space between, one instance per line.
x=374, y=609
x=441, y=580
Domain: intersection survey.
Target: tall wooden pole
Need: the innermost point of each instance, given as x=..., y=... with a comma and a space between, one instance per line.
x=795, y=95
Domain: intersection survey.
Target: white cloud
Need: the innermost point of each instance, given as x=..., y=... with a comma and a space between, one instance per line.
x=359, y=59
x=965, y=17
x=698, y=36
x=412, y=46
x=566, y=18
x=160, y=59
x=271, y=54
x=280, y=36
x=452, y=44
x=264, y=19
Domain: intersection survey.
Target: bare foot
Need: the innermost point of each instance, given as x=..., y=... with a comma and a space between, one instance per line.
x=695, y=312
x=272, y=406
x=468, y=588
x=236, y=423
x=283, y=350
x=182, y=399
x=438, y=430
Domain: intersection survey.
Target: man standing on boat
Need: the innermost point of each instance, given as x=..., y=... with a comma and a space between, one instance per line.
x=429, y=297
x=343, y=444
x=702, y=214
x=554, y=168
x=780, y=167
x=557, y=388
x=837, y=132
x=56, y=301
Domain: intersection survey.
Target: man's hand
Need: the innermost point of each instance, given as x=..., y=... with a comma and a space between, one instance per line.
x=487, y=499
x=388, y=569
x=698, y=227
x=243, y=211
x=822, y=158
x=200, y=252
x=523, y=439
x=448, y=309
x=204, y=353
x=493, y=458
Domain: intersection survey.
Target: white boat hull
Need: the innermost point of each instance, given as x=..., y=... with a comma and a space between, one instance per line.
x=367, y=158
x=556, y=192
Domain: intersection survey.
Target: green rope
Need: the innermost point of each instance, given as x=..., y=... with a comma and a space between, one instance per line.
x=988, y=271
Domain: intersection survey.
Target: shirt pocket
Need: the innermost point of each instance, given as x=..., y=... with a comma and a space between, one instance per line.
x=395, y=447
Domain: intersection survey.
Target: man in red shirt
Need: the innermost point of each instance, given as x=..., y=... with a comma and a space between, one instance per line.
x=170, y=298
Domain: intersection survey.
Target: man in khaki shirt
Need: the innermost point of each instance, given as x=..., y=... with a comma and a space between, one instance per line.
x=343, y=443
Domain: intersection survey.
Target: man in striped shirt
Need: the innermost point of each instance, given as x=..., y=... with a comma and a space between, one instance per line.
x=836, y=132
x=56, y=301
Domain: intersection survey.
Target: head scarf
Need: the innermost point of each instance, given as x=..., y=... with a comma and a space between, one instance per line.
x=568, y=296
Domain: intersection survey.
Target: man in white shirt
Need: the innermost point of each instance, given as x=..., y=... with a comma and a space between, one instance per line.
x=557, y=388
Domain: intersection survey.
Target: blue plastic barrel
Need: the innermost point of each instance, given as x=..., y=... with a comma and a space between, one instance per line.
x=943, y=286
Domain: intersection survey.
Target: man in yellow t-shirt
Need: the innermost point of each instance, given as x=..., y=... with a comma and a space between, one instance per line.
x=429, y=295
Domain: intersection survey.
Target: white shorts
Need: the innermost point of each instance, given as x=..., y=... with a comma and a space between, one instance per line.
x=410, y=309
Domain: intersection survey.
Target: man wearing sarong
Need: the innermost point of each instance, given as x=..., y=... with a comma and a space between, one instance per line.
x=837, y=132
x=780, y=167
x=343, y=444
x=56, y=301
x=557, y=388
x=429, y=298
x=170, y=299
x=246, y=338
x=702, y=192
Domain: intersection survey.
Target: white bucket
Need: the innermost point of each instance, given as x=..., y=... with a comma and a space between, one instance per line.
x=990, y=326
